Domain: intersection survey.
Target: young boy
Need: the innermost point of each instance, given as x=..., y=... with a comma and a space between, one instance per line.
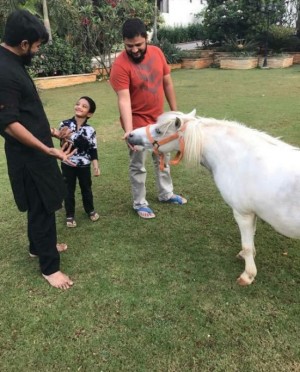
x=83, y=137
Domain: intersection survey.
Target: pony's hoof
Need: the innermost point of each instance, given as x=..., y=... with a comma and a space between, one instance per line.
x=244, y=280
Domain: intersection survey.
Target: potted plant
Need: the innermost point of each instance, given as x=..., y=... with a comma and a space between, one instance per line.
x=241, y=54
x=276, y=60
x=194, y=59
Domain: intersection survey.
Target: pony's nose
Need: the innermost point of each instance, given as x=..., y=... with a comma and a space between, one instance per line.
x=130, y=138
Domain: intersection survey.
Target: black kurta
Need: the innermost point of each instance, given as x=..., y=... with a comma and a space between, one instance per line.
x=20, y=102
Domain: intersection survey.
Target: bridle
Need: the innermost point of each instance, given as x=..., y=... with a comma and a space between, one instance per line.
x=156, y=144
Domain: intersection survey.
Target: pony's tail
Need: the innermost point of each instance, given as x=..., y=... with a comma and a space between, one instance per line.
x=193, y=143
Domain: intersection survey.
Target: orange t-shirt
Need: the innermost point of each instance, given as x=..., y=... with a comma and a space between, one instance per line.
x=145, y=83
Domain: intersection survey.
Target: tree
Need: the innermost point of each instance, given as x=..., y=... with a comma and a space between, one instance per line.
x=244, y=19
x=101, y=23
x=62, y=15
x=92, y=25
x=6, y=7
x=298, y=19
x=292, y=15
x=155, y=40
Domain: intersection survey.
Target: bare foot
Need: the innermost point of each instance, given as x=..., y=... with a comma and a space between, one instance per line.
x=61, y=247
x=59, y=280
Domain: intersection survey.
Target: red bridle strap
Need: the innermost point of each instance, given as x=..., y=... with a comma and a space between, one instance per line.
x=172, y=137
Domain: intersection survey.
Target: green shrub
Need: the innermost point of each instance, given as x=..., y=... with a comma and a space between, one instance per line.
x=292, y=44
x=282, y=38
x=196, y=32
x=172, y=53
x=59, y=58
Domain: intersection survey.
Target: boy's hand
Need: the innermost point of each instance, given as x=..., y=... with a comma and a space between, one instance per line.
x=64, y=153
x=64, y=133
x=96, y=172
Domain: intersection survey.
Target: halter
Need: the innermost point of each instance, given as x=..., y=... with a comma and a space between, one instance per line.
x=156, y=144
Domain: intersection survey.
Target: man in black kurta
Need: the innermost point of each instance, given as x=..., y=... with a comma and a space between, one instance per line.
x=36, y=181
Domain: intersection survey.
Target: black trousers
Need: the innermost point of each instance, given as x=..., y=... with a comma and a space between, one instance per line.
x=83, y=174
x=41, y=230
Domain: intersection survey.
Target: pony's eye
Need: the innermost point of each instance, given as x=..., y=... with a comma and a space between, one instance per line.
x=157, y=131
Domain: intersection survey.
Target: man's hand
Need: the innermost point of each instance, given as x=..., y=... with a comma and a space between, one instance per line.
x=64, y=153
x=125, y=136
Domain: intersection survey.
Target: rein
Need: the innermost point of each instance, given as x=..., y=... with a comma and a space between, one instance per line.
x=156, y=144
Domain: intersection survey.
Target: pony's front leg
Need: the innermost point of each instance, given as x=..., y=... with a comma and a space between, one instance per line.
x=247, y=226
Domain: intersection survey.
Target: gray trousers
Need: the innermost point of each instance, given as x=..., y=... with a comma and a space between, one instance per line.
x=138, y=174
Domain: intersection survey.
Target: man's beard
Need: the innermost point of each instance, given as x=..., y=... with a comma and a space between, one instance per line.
x=27, y=58
x=137, y=59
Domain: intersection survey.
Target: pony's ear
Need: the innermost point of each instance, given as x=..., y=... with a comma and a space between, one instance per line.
x=192, y=113
x=177, y=123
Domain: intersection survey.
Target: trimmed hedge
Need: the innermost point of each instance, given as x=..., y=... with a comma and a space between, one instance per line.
x=182, y=34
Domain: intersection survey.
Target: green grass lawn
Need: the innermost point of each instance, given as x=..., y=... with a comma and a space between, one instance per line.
x=157, y=295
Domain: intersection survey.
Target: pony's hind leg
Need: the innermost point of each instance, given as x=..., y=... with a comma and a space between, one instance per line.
x=247, y=226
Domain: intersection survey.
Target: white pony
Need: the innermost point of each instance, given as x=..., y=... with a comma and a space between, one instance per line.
x=256, y=174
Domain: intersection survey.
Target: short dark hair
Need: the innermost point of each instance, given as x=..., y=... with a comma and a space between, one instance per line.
x=22, y=25
x=134, y=27
x=91, y=103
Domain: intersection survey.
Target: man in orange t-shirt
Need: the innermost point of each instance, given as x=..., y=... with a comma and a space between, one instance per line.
x=141, y=78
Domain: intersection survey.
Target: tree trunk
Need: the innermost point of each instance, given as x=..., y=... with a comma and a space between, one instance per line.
x=154, y=37
x=298, y=19
x=46, y=20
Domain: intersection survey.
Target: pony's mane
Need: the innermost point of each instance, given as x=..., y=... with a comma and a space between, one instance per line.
x=249, y=131
x=193, y=133
x=167, y=118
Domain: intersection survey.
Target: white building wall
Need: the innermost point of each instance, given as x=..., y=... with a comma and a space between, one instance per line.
x=181, y=12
